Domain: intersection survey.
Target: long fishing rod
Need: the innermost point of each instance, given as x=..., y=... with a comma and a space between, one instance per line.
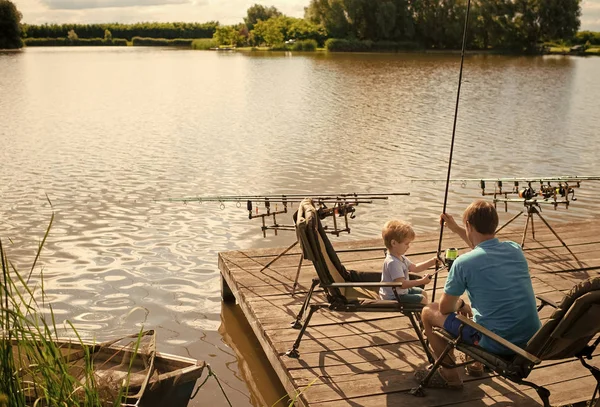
x=462, y=61
x=287, y=197
x=565, y=178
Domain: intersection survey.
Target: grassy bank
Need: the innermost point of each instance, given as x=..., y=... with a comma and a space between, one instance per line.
x=567, y=51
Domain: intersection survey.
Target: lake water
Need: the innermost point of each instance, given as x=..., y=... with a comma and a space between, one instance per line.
x=108, y=134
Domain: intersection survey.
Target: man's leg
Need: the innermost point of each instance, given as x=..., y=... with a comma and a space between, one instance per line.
x=432, y=317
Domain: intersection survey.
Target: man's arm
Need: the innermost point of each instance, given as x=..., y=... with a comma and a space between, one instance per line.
x=451, y=303
x=454, y=227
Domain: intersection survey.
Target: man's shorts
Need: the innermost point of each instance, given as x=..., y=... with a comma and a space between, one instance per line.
x=469, y=334
x=414, y=295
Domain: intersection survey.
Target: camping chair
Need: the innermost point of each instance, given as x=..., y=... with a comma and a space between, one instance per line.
x=346, y=291
x=567, y=334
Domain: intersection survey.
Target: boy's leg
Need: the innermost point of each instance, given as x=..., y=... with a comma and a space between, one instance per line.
x=414, y=295
x=420, y=292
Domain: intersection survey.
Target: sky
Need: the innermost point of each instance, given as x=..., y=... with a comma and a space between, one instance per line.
x=224, y=11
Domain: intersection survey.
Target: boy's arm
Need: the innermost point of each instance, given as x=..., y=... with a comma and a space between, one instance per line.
x=419, y=267
x=413, y=283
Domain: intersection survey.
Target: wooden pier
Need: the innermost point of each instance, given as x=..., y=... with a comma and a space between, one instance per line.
x=368, y=359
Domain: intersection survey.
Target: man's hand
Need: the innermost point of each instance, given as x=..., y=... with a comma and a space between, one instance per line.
x=466, y=311
x=449, y=221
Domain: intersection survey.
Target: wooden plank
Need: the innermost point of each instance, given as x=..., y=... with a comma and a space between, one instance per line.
x=372, y=388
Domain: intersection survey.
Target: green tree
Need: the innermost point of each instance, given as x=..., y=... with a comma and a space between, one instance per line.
x=559, y=19
x=107, y=36
x=10, y=29
x=258, y=13
x=231, y=35
x=330, y=14
x=270, y=31
x=301, y=29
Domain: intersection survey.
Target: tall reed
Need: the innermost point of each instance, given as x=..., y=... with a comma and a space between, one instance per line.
x=34, y=369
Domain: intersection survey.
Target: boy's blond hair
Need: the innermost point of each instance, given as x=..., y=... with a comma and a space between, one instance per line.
x=398, y=231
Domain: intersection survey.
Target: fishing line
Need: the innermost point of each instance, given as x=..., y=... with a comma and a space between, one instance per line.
x=462, y=61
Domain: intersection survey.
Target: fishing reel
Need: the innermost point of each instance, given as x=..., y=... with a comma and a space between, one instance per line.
x=339, y=209
x=527, y=193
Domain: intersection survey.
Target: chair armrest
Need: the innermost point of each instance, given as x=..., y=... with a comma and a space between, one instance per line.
x=362, y=249
x=546, y=301
x=498, y=339
x=362, y=284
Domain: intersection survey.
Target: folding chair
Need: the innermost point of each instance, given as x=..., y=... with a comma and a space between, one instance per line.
x=567, y=334
x=346, y=290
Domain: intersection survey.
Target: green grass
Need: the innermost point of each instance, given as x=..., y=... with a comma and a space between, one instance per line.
x=204, y=44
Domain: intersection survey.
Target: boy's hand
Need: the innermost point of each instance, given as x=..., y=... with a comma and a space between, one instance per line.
x=450, y=222
x=427, y=279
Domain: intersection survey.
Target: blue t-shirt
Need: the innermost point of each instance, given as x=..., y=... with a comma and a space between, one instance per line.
x=496, y=277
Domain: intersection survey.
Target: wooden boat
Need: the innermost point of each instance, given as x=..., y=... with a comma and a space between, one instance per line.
x=151, y=379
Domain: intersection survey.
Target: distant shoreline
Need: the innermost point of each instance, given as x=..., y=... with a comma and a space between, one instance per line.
x=186, y=44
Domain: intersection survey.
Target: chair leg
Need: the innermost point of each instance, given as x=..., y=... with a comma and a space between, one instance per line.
x=296, y=323
x=418, y=391
x=293, y=353
x=414, y=321
x=596, y=373
x=543, y=392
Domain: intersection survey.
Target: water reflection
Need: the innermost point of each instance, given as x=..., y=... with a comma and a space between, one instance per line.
x=100, y=137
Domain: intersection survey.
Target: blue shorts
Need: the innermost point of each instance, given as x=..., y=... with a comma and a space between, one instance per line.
x=469, y=334
x=414, y=295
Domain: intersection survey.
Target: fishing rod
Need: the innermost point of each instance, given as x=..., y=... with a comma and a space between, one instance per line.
x=328, y=205
x=285, y=197
x=566, y=178
x=462, y=62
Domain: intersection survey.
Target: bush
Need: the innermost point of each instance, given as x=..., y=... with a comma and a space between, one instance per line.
x=280, y=47
x=343, y=45
x=119, y=42
x=305, y=45
x=66, y=42
x=161, y=42
x=144, y=42
x=181, y=42
x=204, y=43
x=584, y=36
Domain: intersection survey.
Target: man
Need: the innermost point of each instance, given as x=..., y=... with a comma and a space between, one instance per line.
x=495, y=276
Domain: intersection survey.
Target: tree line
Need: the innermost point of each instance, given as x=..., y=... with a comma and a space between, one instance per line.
x=518, y=25
x=126, y=31
x=499, y=24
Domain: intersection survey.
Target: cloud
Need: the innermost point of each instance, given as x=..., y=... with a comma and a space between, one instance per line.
x=94, y=4
x=590, y=15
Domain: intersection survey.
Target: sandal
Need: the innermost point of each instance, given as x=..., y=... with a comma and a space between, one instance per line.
x=474, y=369
x=437, y=380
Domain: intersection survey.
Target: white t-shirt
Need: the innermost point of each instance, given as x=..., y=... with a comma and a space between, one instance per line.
x=393, y=268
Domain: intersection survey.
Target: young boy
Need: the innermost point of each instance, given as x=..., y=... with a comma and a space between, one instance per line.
x=397, y=236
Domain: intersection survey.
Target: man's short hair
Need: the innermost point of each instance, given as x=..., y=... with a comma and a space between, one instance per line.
x=398, y=231
x=482, y=216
